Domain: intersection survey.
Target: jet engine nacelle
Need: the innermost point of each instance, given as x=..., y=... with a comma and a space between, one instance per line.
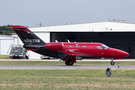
x=54, y=46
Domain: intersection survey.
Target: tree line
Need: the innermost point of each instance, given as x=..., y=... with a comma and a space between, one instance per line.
x=6, y=30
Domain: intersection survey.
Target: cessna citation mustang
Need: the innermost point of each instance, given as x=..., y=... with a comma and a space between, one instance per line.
x=66, y=51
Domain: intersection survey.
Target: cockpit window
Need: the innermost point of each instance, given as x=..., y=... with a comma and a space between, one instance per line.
x=104, y=46
x=99, y=47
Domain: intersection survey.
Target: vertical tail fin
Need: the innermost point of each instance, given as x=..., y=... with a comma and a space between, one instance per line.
x=27, y=37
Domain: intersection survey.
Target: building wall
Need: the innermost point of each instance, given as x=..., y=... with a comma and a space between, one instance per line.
x=4, y=46
x=6, y=42
x=44, y=36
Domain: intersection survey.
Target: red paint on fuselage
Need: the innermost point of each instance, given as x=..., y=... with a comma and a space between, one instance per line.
x=31, y=49
x=87, y=49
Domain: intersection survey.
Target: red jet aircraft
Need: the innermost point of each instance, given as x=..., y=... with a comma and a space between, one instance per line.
x=66, y=51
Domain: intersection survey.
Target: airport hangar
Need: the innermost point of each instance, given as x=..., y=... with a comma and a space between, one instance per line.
x=120, y=35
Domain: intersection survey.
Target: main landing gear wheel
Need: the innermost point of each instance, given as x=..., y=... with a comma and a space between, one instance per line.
x=69, y=63
x=112, y=62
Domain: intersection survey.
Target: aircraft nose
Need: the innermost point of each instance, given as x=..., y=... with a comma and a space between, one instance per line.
x=124, y=54
x=116, y=53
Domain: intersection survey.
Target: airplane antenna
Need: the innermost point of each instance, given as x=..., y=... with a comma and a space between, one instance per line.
x=56, y=41
x=68, y=40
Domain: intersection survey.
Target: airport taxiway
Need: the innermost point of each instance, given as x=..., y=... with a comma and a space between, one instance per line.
x=65, y=67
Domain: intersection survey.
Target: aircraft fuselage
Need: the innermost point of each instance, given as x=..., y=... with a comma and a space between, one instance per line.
x=87, y=49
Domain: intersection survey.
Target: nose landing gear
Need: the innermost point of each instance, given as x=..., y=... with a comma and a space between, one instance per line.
x=112, y=62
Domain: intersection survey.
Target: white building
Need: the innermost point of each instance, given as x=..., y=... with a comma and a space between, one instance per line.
x=6, y=42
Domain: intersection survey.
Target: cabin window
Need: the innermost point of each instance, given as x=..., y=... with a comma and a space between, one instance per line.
x=99, y=47
x=77, y=46
x=104, y=46
x=84, y=46
x=70, y=45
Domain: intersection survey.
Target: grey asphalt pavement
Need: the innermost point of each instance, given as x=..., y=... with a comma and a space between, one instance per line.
x=65, y=67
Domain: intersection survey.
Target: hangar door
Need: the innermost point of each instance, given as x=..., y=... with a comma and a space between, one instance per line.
x=120, y=40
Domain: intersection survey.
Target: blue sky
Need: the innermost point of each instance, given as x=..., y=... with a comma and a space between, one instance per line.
x=52, y=12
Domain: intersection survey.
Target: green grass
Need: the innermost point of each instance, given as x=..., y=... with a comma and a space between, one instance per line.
x=66, y=80
x=63, y=63
x=4, y=57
